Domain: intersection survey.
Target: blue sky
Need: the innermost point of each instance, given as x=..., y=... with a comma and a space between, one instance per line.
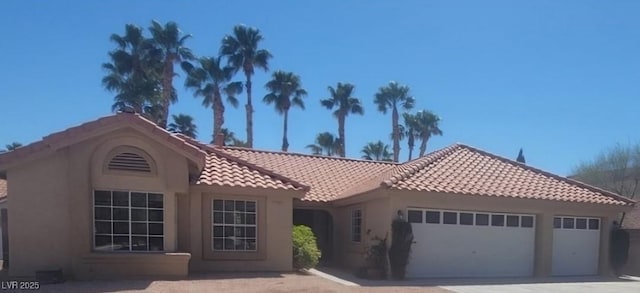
x=558, y=78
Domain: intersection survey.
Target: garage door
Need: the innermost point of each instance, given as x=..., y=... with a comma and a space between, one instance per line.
x=470, y=244
x=576, y=246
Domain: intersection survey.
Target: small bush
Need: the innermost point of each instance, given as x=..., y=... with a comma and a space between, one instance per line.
x=402, y=238
x=305, y=251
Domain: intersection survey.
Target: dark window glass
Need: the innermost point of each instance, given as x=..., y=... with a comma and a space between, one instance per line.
x=251, y=232
x=432, y=217
x=120, y=227
x=567, y=223
x=218, y=244
x=526, y=221
x=121, y=214
x=156, y=243
x=414, y=216
x=251, y=244
x=121, y=198
x=102, y=213
x=557, y=223
x=482, y=219
x=581, y=224
x=139, y=228
x=466, y=219
x=513, y=221
x=228, y=218
x=103, y=227
x=156, y=229
x=138, y=214
x=218, y=231
x=103, y=243
x=497, y=220
x=240, y=206
x=102, y=198
x=228, y=231
x=155, y=201
x=138, y=199
x=218, y=217
x=229, y=244
x=251, y=207
x=229, y=205
x=239, y=231
x=121, y=242
x=139, y=243
x=251, y=219
x=218, y=205
x=239, y=218
x=156, y=215
x=594, y=224
x=449, y=218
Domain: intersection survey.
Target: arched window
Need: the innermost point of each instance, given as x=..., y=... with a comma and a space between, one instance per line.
x=129, y=160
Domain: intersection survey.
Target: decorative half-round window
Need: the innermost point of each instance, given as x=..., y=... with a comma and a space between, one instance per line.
x=129, y=160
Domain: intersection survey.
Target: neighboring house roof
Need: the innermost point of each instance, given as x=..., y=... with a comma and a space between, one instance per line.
x=3, y=190
x=82, y=132
x=458, y=169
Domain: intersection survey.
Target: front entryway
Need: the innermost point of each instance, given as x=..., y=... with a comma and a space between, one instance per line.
x=321, y=224
x=576, y=246
x=454, y=244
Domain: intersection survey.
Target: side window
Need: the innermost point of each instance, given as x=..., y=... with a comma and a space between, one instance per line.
x=356, y=225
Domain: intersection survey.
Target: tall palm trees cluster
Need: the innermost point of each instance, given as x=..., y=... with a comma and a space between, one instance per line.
x=141, y=71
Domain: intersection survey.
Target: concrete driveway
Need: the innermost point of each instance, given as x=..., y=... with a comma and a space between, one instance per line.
x=563, y=285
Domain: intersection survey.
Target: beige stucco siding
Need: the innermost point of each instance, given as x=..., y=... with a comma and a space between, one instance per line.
x=275, y=220
x=53, y=198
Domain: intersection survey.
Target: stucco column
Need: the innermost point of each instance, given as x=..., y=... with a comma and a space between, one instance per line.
x=604, y=266
x=544, y=245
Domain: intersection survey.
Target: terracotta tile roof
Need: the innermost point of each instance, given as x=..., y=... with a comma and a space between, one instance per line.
x=223, y=171
x=77, y=133
x=463, y=169
x=327, y=177
x=3, y=189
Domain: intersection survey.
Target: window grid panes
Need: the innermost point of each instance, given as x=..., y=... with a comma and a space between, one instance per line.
x=356, y=225
x=579, y=223
x=128, y=221
x=469, y=218
x=235, y=225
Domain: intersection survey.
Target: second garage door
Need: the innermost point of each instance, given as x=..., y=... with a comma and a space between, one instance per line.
x=470, y=244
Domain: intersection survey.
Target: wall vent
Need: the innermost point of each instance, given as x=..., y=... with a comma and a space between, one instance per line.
x=132, y=162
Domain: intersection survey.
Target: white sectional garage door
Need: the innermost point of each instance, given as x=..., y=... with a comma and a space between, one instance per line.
x=470, y=244
x=576, y=246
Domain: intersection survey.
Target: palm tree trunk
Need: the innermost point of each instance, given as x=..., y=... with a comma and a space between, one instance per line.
x=342, y=147
x=411, y=143
x=423, y=146
x=285, y=142
x=218, y=114
x=396, y=139
x=167, y=88
x=249, y=110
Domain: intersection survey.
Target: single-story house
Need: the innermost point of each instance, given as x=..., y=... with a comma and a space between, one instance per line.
x=120, y=196
x=631, y=223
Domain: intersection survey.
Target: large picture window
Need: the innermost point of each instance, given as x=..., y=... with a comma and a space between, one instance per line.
x=128, y=221
x=234, y=225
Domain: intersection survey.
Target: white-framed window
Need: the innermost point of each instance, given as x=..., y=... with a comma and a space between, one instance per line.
x=576, y=223
x=470, y=218
x=128, y=221
x=235, y=225
x=356, y=225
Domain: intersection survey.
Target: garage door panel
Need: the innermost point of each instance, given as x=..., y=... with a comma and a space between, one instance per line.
x=576, y=246
x=453, y=250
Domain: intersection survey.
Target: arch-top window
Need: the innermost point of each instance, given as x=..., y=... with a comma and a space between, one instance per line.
x=130, y=159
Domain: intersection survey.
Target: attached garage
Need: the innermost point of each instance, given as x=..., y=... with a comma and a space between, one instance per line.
x=451, y=244
x=576, y=246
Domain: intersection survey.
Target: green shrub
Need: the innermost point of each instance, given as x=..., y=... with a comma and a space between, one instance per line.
x=305, y=251
x=401, y=240
x=619, y=249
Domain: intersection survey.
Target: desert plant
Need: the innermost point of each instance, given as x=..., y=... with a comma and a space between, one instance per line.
x=402, y=238
x=619, y=249
x=305, y=250
x=376, y=258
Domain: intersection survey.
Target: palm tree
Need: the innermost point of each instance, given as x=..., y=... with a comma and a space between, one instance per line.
x=183, y=124
x=376, y=151
x=230, y=138
x=426, y=126
x=410, y=130
x=391, y=97
x=131, y=72
x=325, y=142
x=169, y=43
x=285, y=90
x=341, y=98
x=13, y=146
x=209, y=80
x=242, y=50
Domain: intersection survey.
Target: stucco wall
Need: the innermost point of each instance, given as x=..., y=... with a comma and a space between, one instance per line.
x=633, y=263
x=275, y=221
x=51, y=210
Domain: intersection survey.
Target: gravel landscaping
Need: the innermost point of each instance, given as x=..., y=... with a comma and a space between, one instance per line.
x=236, y=282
